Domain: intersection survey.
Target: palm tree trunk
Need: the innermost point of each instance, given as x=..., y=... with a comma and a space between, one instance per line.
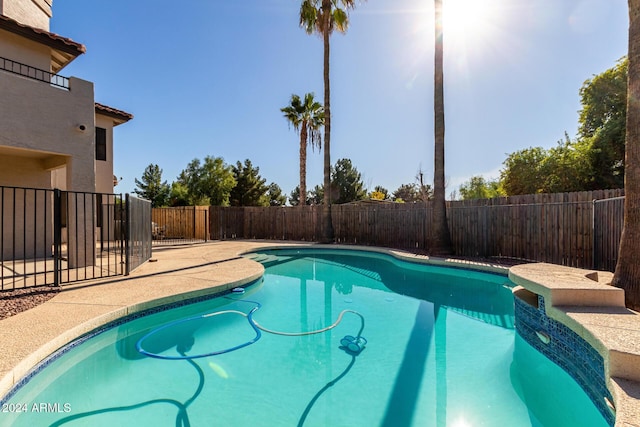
x=441, y=241
x=303, y=165
x=327, y=225
x=627, y=274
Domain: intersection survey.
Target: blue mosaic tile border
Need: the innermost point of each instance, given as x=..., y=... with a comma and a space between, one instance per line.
x=113, y=324
x=567, y=349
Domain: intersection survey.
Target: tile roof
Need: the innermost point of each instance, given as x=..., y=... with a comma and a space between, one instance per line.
x=64, y=50
x=54, y=40
x=119, y=115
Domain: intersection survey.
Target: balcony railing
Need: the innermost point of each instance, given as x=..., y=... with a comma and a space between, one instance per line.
x=34, y=73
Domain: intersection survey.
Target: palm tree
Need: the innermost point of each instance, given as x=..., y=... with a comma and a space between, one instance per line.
x=441, y=242
x=322, y=17
x=306, y=117
x=627, y=274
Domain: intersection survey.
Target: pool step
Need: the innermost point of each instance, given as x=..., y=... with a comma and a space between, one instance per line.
x=492, y=319
x=367, y=273
x=266, y=258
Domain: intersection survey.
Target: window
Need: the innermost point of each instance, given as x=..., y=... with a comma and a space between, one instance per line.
x=101, y=144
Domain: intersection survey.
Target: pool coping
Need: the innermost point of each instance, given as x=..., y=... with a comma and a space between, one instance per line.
x=31, y=336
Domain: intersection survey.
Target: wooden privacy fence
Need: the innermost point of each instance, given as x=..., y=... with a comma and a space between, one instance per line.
x=396, y=225
x=277, y=223
x=182, y=223
x=608, y=217
x=382, y=224
x=555, y=228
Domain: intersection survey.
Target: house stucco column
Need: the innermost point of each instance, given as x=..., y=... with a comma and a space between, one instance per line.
x=81, y=176
x=39, y=118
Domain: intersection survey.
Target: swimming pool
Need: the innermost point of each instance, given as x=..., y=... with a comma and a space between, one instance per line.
x=440, y=350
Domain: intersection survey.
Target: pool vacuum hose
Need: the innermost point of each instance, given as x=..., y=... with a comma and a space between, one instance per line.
x=350, y=344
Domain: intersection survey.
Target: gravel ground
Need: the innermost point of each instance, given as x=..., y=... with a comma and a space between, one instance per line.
x=13, y=302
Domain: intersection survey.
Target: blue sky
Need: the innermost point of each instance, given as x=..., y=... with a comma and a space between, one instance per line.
x=207, y=77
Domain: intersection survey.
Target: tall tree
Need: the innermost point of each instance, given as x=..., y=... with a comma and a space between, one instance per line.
x=323, y=17
x=316, y=195
x=602, y=125
x=407, y=193
x=479, y=188
x=563, y=168
x=209, y=182
x=275, y=196
x=594, y=160
x=179, y=195
x=441, y=242
x=627, y=274
x=346, y=186
x=294, y=197
x=567, y=168
x=347, y=181
x=306, y=117
x=151, y=187
x=524, y=171
x=250, y=188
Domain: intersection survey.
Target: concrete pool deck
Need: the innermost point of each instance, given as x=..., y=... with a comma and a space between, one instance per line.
x=183, y=272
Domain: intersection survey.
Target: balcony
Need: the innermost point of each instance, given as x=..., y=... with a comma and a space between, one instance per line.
x=34, y=73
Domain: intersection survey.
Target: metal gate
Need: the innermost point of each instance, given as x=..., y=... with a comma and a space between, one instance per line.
x=138, y=232
x=53, y=237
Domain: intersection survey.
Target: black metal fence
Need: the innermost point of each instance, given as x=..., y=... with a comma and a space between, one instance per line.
x=53, y=237
x=26, y=237
x=138, y=232
x=34, y=73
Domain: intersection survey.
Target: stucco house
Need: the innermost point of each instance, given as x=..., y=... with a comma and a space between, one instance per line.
x=53, y=135
x=52, y=132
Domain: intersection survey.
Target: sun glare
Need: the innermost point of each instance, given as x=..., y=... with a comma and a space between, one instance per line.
x=461, y=422
x=471, y=24
x=474, y=32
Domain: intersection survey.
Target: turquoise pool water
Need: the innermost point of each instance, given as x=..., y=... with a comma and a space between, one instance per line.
x=441, y=351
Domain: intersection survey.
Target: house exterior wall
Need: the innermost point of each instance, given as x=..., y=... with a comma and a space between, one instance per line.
x=23, y=172
x=47, y=140
x=25, y=51
x=35, y=116
x=59, y=179
x=35, y=13
x=104, y=168
x=27, y=223
x=40, y=133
